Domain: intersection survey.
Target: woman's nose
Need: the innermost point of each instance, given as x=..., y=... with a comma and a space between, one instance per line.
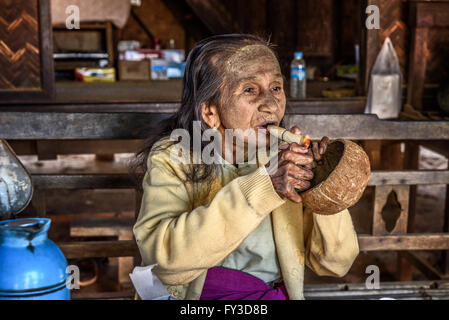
x=268, y=103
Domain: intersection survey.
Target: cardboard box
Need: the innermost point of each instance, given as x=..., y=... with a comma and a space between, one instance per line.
x=159, y=69
x=95, y=74
x=134, y=70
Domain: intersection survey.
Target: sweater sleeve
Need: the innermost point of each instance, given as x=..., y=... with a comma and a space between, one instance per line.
x=184, y=242
x=330, y=242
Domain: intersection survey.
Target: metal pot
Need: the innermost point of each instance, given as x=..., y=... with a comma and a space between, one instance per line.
x=32, y=267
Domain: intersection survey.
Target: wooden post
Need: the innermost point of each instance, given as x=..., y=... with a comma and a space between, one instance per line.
x=417, y=67
x=373, y=150
x=370, y=47
x=39, y=203
x=445, y=255
x=411, y=162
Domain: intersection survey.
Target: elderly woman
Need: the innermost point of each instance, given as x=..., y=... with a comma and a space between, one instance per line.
x=235, y=229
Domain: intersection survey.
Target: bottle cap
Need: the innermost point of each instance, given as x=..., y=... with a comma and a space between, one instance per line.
x=298, y=55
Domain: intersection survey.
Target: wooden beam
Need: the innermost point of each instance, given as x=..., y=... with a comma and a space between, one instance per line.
x=78, y=181
x=373, y=150
x=110, y=107
x=124, y=181
x=398, y=290
x=75, y=181
x=73, y=126
x=104, y=227
x=370, y=46
x=126, y=248
x=367, y=127
x=115, y=295
x=429, y=14
x=445, y=254
x=428, y=241
x=95, y=249
x=305, y=106
x=423, y=266
x=408, y=177
x=417, y=67
x=101, y=227
x=411, y=162
x=326, y=106
x=28, y=125
x=28, y=147
x=39, y=203
x=195, y=29
x=214, y=15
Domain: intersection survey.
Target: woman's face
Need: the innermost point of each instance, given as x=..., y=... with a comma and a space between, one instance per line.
x=253, y=94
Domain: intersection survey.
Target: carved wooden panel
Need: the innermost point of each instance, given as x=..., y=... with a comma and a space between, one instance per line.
x=391, y=204
x=26, y=61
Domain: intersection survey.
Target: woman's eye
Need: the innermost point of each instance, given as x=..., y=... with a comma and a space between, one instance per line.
x=277, y=88
x=249, y=90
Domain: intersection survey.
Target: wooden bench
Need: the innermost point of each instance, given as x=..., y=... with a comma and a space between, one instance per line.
x=121, y=228
x=68, y=126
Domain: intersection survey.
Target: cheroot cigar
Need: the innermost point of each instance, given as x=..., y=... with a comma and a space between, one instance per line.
x=289, y=137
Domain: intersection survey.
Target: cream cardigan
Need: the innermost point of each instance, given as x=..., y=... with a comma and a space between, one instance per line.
x=186, y=230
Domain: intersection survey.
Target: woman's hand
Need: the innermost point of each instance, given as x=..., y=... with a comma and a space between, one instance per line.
x=288, y=175
x=318, y=149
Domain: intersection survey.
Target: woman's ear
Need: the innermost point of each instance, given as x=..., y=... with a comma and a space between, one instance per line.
x=210, y=115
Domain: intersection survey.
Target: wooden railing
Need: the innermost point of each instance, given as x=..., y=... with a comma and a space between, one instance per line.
x=18, y=127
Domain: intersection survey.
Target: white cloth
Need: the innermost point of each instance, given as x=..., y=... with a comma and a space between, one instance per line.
x=147, y=285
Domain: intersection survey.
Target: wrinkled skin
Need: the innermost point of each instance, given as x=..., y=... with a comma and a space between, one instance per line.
x=295, y=164
x=252, y=96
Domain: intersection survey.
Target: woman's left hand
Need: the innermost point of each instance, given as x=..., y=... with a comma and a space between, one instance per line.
x=318, y=149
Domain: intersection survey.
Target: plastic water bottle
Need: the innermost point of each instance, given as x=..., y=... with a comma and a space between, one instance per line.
x=298, y=77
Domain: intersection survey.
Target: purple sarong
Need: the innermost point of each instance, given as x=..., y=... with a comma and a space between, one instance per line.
x=228, y=284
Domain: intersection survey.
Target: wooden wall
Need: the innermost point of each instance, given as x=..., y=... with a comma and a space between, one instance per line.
x=159, y=20
x=19, y=46
x=311, y=26
x=26, y=61
x=393, y=24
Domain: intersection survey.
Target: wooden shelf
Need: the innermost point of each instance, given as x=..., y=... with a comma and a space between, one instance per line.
x=156, y=96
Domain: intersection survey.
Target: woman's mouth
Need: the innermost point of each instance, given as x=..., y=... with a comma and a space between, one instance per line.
x=264, y=125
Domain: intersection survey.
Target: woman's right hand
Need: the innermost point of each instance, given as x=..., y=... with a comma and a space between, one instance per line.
x=288, y=175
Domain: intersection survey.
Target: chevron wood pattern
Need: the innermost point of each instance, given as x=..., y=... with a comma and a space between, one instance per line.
x=20, y=66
